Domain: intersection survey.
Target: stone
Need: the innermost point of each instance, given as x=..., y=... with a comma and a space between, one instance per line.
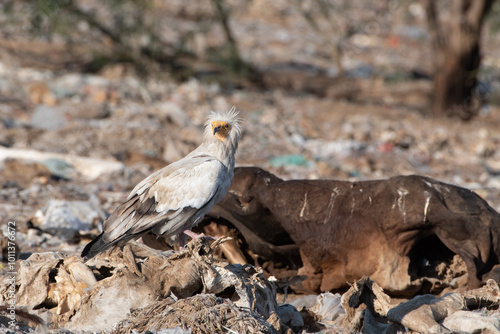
x=48, y=118
x=66, y=218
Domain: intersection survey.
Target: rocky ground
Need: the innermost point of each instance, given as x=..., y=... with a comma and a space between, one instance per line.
x=73, y=144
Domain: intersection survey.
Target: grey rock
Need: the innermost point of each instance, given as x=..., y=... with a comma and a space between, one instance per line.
x=66, y=218
x=48, y=118
x=60, y=168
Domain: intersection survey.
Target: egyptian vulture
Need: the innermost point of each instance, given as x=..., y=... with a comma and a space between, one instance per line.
x=176, y=197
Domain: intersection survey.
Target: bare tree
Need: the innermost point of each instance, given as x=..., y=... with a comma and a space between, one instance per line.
x=455, y=40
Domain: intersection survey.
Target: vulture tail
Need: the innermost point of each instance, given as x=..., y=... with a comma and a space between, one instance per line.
x=95, y=247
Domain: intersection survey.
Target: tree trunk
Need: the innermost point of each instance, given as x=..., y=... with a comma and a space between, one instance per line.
x=456, y=56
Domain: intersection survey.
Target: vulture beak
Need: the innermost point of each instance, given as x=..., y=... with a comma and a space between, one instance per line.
x=220, y=129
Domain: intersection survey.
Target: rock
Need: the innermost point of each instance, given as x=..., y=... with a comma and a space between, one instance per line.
x=89, y=168
x=60, y=168
x=66, y=218
x=48, y=118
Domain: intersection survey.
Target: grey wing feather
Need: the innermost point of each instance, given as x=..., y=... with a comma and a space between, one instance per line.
x=169, y=199
x=135, y=217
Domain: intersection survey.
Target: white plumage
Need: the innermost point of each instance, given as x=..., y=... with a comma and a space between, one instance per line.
x=178, y=196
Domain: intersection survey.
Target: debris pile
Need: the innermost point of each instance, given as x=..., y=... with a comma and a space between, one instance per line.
x=451, y=313
x=140, y=289
x=126, y=287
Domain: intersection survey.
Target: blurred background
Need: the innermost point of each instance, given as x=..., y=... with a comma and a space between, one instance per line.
x=345, y=89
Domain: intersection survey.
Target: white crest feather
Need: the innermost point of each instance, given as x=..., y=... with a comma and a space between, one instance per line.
x=230, y=117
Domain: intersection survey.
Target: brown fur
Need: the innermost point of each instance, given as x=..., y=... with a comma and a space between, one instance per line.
x=346, y=230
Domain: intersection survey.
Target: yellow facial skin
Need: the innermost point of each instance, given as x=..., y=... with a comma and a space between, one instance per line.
x=220, y=130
